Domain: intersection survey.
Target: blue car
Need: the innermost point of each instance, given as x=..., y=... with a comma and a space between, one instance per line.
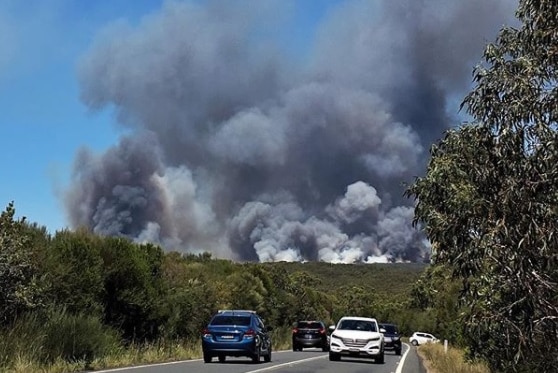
x=236, y=333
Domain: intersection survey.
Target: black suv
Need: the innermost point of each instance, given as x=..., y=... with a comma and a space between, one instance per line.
x=392, y=339
x=309, y=333
x=236, y=333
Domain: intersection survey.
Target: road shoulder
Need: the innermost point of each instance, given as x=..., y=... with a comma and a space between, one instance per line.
x=413, y=362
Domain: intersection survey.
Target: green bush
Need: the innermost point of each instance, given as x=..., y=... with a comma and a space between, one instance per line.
x=77, y=337
x=23, y=339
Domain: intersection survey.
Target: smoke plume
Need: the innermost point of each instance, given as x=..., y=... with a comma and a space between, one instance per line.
x=235, y=147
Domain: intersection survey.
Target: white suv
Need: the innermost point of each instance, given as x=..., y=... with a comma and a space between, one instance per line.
x=356, y=337
x=419, y=338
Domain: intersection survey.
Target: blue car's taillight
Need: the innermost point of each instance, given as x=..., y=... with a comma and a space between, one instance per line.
x=250, y=333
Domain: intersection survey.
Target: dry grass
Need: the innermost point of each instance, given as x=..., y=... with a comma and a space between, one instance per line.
x=124, y=357
x=436, y=360
x=149, y=355
x=139, y=355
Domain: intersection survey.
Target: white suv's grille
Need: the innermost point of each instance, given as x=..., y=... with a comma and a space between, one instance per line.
x=350, y=342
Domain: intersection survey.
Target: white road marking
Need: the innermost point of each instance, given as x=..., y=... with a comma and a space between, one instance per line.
x=286, y=364
x=402, y=361
x=160, y=364
x=146, y=366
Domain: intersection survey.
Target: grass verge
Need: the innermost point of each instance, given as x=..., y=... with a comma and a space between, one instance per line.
x=436, y=360
x=161, y=352
x=121, y=357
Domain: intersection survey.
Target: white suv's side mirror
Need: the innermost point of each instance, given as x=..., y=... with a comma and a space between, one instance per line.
x=382, y=330
x=331, y=328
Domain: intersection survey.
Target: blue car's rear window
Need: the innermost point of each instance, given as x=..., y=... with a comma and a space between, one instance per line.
x=231, y=320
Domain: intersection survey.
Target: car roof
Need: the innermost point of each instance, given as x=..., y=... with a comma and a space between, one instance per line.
x=236, y=312
x=357, y=318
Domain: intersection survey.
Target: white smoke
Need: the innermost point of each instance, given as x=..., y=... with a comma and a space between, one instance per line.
x=360, y=198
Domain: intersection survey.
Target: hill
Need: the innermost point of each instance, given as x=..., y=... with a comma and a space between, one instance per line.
x=393, y=280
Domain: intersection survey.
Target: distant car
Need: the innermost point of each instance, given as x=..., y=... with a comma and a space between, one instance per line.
x=392, y=338
x=310, y=333
x=236, y=333
x=356, y=337
x=419, y=338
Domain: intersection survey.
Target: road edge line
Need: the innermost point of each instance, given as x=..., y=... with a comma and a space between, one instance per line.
x=402, y=361
x=296, y=362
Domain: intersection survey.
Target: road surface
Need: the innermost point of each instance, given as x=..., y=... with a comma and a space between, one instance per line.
x=307, y=361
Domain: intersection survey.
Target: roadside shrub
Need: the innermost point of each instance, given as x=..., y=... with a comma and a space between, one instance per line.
x=452, y=361
x=281, y=338
x=78, y=337
x=22, y=340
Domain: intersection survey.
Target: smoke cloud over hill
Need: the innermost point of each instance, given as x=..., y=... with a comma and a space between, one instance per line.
x=236, y=147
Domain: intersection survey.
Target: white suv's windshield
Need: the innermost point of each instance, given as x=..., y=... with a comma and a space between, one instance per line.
x=363, y=325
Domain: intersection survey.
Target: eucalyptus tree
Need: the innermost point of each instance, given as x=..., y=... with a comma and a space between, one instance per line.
x=489, y=200
x=20, y=281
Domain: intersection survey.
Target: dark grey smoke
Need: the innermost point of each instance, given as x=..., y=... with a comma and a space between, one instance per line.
x=237, y=149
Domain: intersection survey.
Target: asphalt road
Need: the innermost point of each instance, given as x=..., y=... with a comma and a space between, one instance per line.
x=307, y=361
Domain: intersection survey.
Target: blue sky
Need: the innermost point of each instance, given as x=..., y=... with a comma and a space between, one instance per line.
x=43, y=123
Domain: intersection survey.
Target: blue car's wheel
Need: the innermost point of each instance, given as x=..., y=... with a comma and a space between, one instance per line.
x=256, y=356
